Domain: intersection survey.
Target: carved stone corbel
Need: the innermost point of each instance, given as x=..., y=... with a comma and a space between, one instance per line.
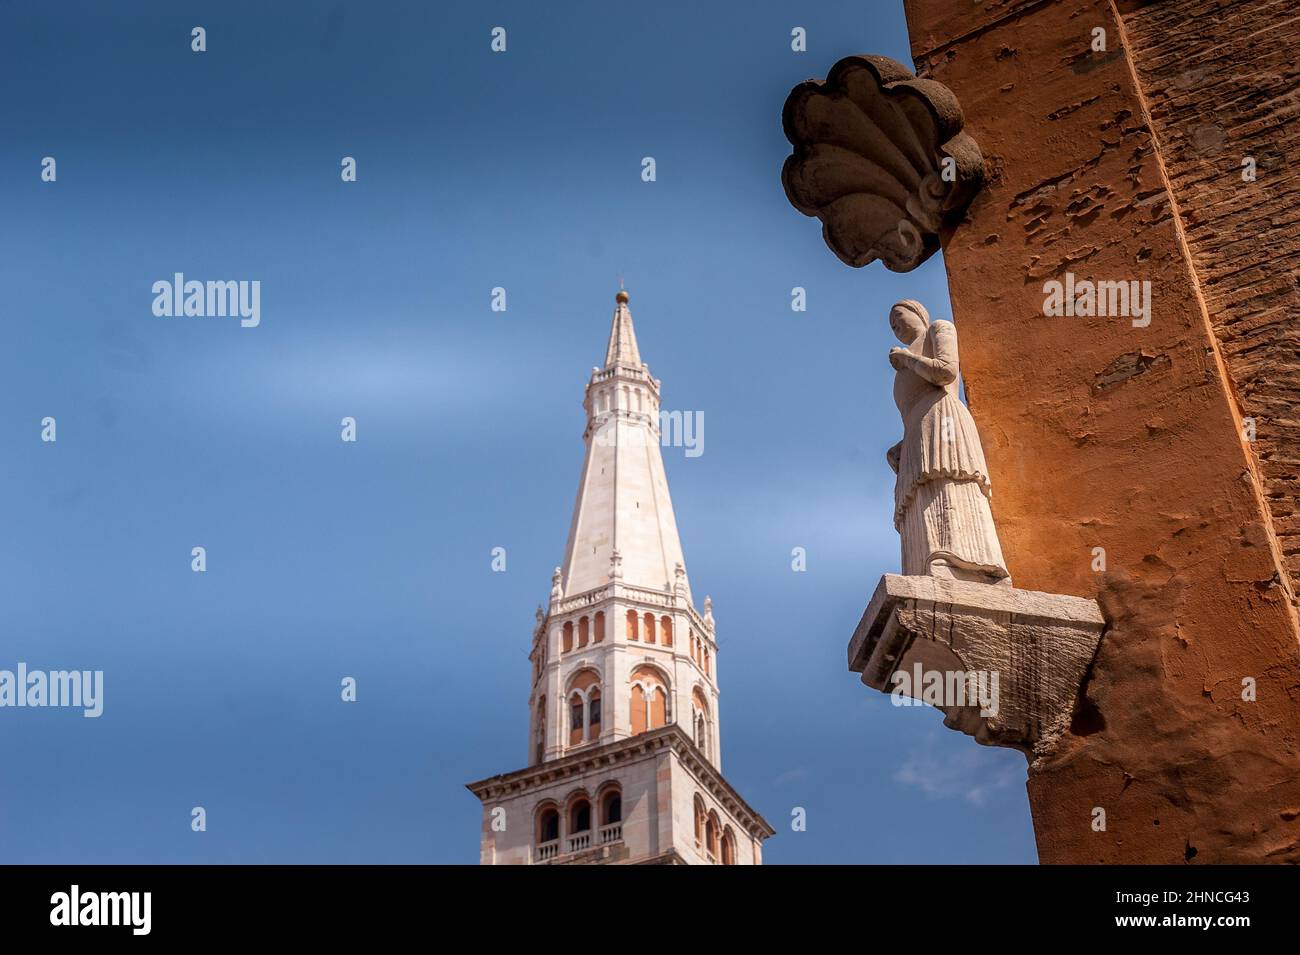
x=1003, y=664
x=880, y=158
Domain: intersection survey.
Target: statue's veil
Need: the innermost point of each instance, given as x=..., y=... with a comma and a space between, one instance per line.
x=916, y=308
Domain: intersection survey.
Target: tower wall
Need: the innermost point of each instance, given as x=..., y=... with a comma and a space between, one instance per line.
x=1103, y=434
x=663, y=783
x=615, y=659
x=640, y=835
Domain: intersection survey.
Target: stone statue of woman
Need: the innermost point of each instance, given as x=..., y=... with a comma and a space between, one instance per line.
x=941, y=499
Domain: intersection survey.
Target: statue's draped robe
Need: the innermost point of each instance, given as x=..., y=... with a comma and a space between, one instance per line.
x=941, y=500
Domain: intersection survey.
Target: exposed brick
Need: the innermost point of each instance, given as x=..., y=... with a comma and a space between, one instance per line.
x=1215, y=97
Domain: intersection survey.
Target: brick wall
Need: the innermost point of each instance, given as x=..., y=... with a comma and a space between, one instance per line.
x=1222, y=83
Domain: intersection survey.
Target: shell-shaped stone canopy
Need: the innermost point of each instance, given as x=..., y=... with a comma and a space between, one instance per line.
x=880, y=158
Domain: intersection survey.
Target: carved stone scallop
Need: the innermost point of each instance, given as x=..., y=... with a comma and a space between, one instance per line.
x=870, y=144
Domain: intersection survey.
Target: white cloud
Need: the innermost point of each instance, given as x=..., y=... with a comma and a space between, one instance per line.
x=972, y=772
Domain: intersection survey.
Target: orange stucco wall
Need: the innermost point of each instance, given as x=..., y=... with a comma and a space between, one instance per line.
x=1100, y=434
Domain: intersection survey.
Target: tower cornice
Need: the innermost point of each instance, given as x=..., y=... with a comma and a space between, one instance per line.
x=609, y=755
x=616, y=590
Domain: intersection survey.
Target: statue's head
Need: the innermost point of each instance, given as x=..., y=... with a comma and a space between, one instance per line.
x=909, y=320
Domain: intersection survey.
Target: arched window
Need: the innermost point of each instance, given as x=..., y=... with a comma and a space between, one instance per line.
x=649, y=700
x=711, y=834
x=637, y=713
x=666, y=631
x=576, y=713
x=728, y=847
x=700, y=719
x=631, y=624
x=568, y=636
x=584, y=706
x=658, y=706
x=611, y=810
x=699, y=822
x=548, y=824
x=600, y=626
x=580, y=816
x=649, y=628
x=611, y=806
x=582, y=632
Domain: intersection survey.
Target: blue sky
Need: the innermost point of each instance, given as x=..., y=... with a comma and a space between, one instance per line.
x=373, y=559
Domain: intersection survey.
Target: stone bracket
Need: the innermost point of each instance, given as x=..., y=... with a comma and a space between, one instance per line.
x=1024, y=654
x=881, y=159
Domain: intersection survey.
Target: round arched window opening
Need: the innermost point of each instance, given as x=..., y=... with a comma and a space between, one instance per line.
x=580, y=816
x=548, y=826
x=612, y=810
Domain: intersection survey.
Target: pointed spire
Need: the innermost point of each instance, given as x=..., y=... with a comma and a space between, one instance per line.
x=622, y=348
x=623, y=526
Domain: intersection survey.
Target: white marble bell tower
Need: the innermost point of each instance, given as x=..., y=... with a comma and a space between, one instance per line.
x=624, y=746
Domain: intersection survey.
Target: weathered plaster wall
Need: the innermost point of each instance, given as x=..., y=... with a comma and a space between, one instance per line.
x=1101, y=434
